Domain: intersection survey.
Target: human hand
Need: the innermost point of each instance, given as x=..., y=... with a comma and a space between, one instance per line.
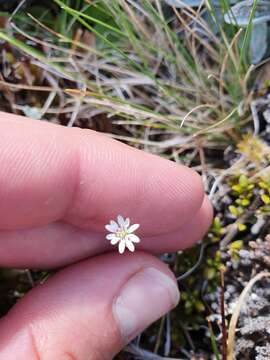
x=58, y=188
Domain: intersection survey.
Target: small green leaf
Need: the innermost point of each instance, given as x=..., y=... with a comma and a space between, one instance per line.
x=236, y=245
x=233, y=210
x=242, y=227
x=237, y=188
x=243, y=181
x=263, y=185
x=199, y=306
x=216, y=223
x=245, y=202
x=265, y=198
x=210, y=273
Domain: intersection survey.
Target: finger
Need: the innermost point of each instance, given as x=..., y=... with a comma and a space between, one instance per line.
x=50, y=173
x=90, y=310
x=188, y=235
x=59, y=244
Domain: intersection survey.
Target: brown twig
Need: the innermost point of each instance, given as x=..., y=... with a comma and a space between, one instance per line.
x=223, y=319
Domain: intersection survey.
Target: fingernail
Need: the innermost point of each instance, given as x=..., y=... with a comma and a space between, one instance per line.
x=146, y=296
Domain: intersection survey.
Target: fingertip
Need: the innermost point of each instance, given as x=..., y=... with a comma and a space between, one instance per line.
x=195, y=187
x=188, y=235
x=199, y=225
x=195, y=231
x=185, y=194
x=208, y=211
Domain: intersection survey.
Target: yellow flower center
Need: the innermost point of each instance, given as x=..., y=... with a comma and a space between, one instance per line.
x=121, y=234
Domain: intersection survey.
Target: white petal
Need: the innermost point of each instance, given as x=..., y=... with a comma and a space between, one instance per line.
x=112, y=227
x=110, y=236
x=127, y=222
x=115, y=240
x=130, y=245
x=133, y=227
x=121, y=246
x=121, y=221
x=133, y=238
x=114, y=223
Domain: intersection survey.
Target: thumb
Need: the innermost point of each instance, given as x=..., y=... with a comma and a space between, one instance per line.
x=89, y=310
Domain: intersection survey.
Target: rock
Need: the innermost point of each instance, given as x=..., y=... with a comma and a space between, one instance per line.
x=262, y=352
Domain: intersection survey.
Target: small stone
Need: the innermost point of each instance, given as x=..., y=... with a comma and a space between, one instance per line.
x=255, y=229
x=266, y=115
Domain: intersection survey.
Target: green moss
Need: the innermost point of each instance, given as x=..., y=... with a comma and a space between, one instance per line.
x=216, y=231
x=234, y=248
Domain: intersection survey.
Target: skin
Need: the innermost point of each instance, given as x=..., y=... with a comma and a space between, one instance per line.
x=58, y=188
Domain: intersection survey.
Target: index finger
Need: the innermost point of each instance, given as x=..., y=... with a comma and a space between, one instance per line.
x=50, y=173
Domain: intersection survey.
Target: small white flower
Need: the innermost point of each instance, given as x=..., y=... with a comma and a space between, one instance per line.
x=121, y=233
